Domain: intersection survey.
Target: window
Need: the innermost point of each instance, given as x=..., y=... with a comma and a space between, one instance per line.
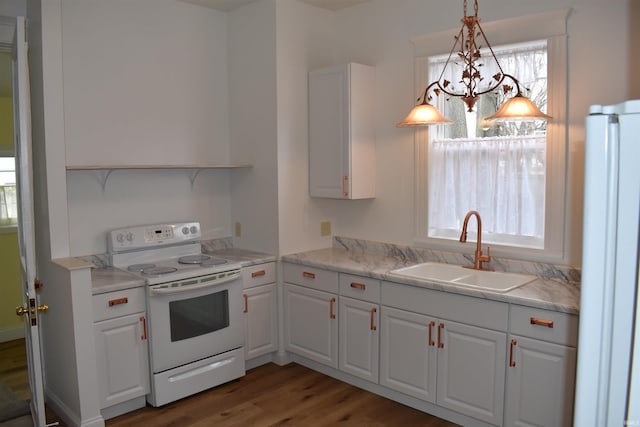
x=521, y=168
x=8, y=199
x=497, y=169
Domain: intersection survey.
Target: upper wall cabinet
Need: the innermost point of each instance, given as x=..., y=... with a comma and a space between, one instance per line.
x=342, y=158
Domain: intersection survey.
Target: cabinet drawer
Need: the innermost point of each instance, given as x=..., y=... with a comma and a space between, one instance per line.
x=311, y=277
x=119, y=303
x=547, y=325
x=257, y=275
x=447, y=306
x=363, y=288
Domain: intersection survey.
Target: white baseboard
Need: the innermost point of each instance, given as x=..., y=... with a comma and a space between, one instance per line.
x=11, y=334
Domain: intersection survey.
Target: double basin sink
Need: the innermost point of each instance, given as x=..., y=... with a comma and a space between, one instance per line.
x=456, y=275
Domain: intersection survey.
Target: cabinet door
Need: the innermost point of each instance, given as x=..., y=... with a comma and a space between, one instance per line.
x=261, y=320
x=311, y=324
x=122, y=359
x=408, y=353
x=359, y=339
x=471, y=366
x=540, y=383
x=329, y=132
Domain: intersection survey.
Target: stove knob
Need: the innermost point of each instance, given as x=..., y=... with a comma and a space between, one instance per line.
x=194, y=229
x=120, y=237
x=185, y=230
x=129, y=237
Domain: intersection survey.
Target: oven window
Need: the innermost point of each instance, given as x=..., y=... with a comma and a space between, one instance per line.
x=199, y=316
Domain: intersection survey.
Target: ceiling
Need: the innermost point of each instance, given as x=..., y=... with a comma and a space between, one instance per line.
x=227, y=5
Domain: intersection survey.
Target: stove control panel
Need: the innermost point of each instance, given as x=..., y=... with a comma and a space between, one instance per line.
x=154, y=235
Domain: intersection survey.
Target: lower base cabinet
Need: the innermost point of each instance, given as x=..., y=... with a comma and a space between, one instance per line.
x=122, y=359
x=261, y=320
x=540, y=383
x=456, y=366
x=310, y=324
x=359, y=338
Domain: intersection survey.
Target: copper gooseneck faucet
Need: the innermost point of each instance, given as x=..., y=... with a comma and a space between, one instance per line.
x=478, y=258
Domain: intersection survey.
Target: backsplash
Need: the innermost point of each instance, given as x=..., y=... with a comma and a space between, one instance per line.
x=563, y=273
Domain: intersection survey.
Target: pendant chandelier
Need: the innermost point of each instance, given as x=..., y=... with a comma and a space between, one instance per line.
x=516, y=108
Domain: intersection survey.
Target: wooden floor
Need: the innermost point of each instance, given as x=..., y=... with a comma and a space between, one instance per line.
x=269, y=395
x=272, y=395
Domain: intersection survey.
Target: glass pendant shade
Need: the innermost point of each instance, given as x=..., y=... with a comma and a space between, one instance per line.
x=518, y=108
x=424, y=114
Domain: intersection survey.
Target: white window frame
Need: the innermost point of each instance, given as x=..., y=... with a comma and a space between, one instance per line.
x=552, y=27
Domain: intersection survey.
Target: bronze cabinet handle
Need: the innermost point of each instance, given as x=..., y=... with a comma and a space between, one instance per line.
x=542, y=322
x=308, y=275
x=246, y=303
x=357, y=285
x=332, y=315
x=512, y=345
x=144, y=328
x=258, y=273
x=431, y=325
x=373, y=313
x=440, y=328
x=118, y=301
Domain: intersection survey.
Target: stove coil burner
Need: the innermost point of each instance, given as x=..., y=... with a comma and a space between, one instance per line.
x=193, y=259
x=139, y=268
x=214, y=261
x=158, y=271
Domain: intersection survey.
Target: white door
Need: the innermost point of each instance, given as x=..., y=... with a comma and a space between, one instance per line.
x=359, y=338
x=26, y=239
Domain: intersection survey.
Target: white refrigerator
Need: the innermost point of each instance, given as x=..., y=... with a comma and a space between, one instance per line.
x=608, y=383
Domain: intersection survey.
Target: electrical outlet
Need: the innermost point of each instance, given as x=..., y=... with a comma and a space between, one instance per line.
x=238, y=229
x=325, y=228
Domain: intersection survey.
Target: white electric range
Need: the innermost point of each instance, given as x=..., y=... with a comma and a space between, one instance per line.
x=194, y=307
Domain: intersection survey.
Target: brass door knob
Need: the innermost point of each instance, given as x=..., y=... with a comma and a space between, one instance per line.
x=21, y=311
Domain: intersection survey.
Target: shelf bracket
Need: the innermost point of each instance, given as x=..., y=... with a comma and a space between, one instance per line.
x=194, y=174
x=103, y=176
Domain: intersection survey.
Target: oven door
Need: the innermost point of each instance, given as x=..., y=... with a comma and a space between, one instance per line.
x=194, y=318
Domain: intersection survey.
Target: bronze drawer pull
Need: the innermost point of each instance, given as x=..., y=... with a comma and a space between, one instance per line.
x=373, y=314
x=246, y=303
x=308, y=275
x=332, y=315
x=118, y=301
x=542, y=322
x=258, y=273
x=357, y=285
x=144, y=328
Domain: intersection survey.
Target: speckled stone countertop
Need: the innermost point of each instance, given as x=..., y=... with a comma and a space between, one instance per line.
x=105, y=278
x=548, y=294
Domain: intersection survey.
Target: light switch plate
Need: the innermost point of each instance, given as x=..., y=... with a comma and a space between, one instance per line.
x=238, y=229
x=325, y=228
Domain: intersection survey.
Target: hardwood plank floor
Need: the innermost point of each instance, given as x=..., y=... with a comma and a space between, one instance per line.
x=269, y=395
x=272, y=395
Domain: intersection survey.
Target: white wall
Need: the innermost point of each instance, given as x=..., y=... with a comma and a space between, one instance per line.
x=253, y=118
x=378, y=33
x=306, y=41
x=145, y=82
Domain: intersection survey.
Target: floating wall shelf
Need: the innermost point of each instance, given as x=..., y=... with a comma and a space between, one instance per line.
x=105, y=171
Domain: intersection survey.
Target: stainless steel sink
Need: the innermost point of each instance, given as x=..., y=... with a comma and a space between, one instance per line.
x=456, y=275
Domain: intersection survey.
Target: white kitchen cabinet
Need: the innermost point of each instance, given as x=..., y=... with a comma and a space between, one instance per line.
x=359, y=325
x=541, y=372
x=310, y=324
x=426, y=351
x=342, y=158
x=260, y=310
x=359, y=338
x=121, y=350
x=408, y=357
x=311, y=313
x=471, y=365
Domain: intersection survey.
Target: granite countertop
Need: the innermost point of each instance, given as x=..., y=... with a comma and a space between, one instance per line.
x=108, y=278
x=548, y=294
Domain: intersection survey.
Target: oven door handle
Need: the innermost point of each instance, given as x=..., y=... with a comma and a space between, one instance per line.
x=160, y=290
